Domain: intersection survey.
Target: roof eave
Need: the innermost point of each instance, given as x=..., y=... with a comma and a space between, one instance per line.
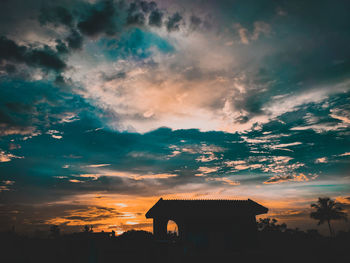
x=150, y=212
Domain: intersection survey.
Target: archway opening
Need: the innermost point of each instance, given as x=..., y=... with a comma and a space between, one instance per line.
x=172, y=230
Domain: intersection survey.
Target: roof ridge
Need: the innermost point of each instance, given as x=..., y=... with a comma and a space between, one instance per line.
x=236, y=200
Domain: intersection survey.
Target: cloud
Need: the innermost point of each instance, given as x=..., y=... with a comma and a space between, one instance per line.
x=224, y=180
x=71, y=217
x=155, y=18
x=84, y=84
x=98, y=165
x=195, y=22
x=287, y=178
x=321, y=160
x=99, y=19
x=83, y=21
x=122, y=174
x=131, y=154
x=136, y=19
x=233, y=163
x=260, y=28
x=204, y=170
x=283, y=146
x=138, y=10
x=44, y=58
x=243, y=34
x=75, y=40
x=57, y=15
x=55, y=134
x=344, y=119
x=5, y=185
x=150, y=172
x=173, y=23
x=241, y=167
x=252, y=96
x=103, y=17
x=148, y=6
x=75, y=181
x=8, y=182
x=135, y=15
x=207, y=157
x=26, y=105
x=7, y=157
x=154, y=176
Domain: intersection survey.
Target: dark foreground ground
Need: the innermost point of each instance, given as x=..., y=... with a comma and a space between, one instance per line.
x=139, y=246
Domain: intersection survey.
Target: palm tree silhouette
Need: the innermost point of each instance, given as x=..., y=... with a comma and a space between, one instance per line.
x=327, y=210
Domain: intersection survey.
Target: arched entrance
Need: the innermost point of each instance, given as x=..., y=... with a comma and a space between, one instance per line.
x=172, y=229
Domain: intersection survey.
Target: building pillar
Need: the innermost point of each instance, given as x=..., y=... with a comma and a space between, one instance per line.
x=160, y=228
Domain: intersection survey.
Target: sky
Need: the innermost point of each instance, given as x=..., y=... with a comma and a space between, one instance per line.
x=106, y=106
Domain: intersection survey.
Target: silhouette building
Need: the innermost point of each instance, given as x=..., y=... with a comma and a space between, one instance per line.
x=208, y=223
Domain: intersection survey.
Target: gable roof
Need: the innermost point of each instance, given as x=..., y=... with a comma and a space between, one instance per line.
x=207, y=208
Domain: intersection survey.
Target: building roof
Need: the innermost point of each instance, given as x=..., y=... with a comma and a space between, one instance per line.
x=207, y=208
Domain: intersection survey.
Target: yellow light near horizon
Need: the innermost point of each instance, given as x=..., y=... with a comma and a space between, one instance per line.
x=130, y=211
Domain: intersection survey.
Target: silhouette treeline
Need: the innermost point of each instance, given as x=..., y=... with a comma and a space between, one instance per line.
x=278, y=243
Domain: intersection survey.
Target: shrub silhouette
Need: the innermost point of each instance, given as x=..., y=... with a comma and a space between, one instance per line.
x=136, y=235
x=269, y=225
x=88, y=229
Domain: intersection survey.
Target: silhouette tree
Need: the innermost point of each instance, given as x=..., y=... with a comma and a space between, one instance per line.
x=327, y=210
x=88, y=229
x=268, y=225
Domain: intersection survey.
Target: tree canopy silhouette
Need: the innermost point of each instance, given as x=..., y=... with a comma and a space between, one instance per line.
x=268, y=225
x=327, y=210
x=88, y=229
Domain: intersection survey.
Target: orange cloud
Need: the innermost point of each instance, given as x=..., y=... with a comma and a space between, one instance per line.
x=224, y=180
x=130, y=175
x=287, y=178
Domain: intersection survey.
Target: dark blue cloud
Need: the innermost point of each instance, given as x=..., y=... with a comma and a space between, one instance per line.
x=173, y=23
x=99, y=19
x=57, y=15
x=44, y=58
x=156, y=18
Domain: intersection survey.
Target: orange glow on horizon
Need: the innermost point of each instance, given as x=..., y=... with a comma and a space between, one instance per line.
x=122, y=212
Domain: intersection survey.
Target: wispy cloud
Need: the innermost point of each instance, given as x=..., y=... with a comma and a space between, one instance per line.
x=204, y=170
x=131, y=175
x=224, y=180
x=7, y=157
x=287, y=178
x=98, y=165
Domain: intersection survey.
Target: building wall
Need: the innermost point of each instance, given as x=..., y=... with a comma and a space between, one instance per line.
x=225, y=233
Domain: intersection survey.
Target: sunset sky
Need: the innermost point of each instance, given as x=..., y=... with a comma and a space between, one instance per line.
x=106, y=106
